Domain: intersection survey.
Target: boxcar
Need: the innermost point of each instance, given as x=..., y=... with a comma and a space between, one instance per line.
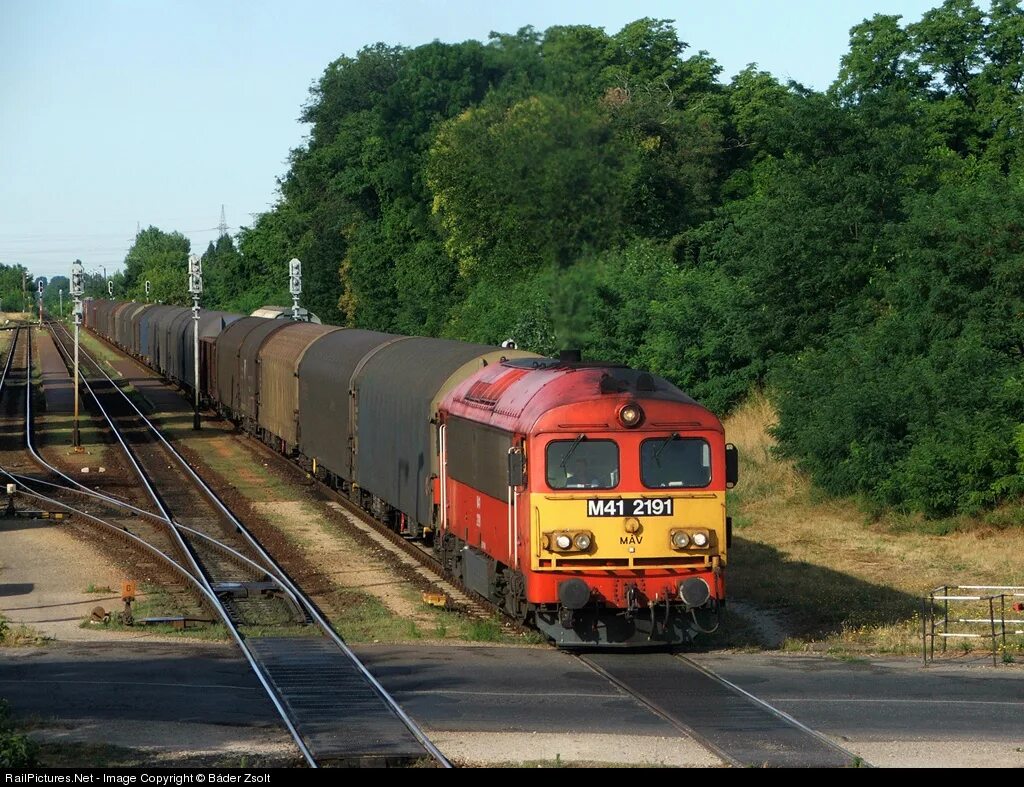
x=396, y=393
x=325, y=374
x=237, y=368
x=279, y=361
x=211, y=323
x=149, y=324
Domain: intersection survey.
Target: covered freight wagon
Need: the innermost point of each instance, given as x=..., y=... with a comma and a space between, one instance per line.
x=237, y=364
x=279, y=361
x=211, y=323
x=123, y=322
x=163, y=332
x=326, y=431
x=149, y=324
x=396, y=394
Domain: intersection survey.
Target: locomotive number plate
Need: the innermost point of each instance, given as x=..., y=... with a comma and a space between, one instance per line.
x=630, y=506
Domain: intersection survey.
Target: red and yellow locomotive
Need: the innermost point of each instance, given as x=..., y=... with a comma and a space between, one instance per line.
x=588, y=497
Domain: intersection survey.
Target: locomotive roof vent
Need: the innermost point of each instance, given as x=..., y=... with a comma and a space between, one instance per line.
x=612, y=385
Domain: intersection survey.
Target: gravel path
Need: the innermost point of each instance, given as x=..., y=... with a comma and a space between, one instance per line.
x=44, y=573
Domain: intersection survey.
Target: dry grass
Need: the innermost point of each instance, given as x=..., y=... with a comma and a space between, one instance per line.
x=841, y=579
x=19, y=635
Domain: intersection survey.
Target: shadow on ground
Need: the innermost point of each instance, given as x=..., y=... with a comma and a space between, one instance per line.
x=816, y=602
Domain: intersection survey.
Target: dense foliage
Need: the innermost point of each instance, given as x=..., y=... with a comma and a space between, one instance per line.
x=858, y=250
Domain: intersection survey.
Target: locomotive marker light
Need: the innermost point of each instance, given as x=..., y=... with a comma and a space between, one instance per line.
x=195, y=289
x=630, y=415
x=680, y=539
x=295, y=285
x=77, y=290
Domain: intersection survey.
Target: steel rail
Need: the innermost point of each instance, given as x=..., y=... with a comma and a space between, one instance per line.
x=163, y=518
x=307, y=605
x=200, y=575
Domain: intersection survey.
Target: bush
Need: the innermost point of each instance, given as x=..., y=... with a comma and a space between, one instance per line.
x=16, y=750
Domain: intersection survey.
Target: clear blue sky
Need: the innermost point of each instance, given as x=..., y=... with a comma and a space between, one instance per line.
x=158, y=111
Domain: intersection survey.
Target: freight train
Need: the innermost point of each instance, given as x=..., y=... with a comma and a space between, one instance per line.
x=586, y=499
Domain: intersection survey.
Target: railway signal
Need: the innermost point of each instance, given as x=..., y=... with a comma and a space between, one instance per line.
x=40, y=301
x=147, y=290
x=195, y=289
x=77, y=290
x=295, y=285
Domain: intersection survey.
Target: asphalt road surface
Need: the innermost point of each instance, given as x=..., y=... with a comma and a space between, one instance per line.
x=890, y=712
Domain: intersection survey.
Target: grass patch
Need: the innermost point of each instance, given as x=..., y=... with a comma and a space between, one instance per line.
x=157, y=602
x=19, y=635
x=17, y=750
x=368, y=619
x=844, y=580
x=92, y=588
x=99, y=350
x=293, y=630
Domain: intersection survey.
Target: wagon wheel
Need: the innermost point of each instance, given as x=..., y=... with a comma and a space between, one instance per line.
x=515, y=597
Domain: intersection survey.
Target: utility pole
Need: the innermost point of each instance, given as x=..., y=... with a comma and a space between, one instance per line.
x=195, y=288
x=60, y=294
x=77, y=290
x=295, y=285
x=222, y=228
x=24, y=290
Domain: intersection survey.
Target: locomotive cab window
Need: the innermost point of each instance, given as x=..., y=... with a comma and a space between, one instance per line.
x=582, y=464
x=674, y=461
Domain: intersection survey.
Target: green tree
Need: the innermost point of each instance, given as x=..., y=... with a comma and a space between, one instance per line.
x=160, y=258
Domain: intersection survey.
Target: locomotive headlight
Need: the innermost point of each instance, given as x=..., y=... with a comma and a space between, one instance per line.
x=583, y=541
x=562, y=541
x=630, y=415
x=699, y=539
x=680, y=539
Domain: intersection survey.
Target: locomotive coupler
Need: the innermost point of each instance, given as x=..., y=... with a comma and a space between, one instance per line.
x=566, y=617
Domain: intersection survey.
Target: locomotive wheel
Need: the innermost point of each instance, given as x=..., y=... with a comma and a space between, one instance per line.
x=515, y=597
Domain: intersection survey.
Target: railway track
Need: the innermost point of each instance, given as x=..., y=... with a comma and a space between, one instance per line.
x=740, y=728
x=335, y=710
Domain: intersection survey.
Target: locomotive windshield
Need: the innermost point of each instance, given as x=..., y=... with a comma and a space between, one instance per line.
x=583, y=464
x=675, y=461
